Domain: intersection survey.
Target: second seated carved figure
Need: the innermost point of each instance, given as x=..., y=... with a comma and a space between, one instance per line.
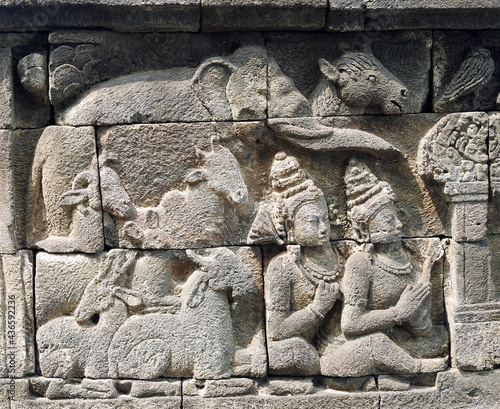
x=387, y=294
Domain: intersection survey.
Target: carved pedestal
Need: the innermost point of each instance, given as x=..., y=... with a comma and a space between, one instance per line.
x=454, y=152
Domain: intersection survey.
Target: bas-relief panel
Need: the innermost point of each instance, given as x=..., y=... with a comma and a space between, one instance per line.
x=285, y=219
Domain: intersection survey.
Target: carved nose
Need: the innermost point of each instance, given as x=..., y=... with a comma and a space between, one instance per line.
x=404, y=93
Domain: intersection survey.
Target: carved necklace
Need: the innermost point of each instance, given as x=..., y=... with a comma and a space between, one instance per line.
x=394, y=267
x=314, y=272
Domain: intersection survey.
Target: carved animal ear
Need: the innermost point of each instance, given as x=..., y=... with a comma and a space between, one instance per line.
x=195, y=176
x=328, y=70
x=210, y=82
x=198, y=294
x=129, y=297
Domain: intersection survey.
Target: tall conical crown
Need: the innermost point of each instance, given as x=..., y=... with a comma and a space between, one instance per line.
x=366, y=194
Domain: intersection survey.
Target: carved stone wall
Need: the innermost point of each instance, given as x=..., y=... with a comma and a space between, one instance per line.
x=232, y=204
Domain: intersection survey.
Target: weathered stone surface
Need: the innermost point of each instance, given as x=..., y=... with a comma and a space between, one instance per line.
x=319, y=400
x=146, y=389
x=219, y=387
x=466, y=70
x=8, y=242
x=290, y=386
x=345, y=15
x=6, y=88
x=22, y=151
x=64, y=206
x=348, y=15
x=171, y=307
x=230, y=15
x=127, y=15
x=471, y=390
x=120, y=403
x=17, y=355
x=110, y=78
x=471, y=288
x=494, y=159
x=23, y=81
x=411, y=399
x=321, y=68
x=470, y=272
x=13, y=390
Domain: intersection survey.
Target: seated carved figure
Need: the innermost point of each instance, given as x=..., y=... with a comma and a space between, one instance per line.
x=300, y=287
x=386, y=292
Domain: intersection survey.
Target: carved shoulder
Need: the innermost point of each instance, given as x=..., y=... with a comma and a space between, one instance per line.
x=281, y=266
x=358, y=263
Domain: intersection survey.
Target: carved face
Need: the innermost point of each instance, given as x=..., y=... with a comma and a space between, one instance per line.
x=311, y=226
x=384, y=226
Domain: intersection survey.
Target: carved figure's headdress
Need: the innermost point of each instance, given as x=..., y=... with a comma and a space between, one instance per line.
x=291, y=190
x=365, y=195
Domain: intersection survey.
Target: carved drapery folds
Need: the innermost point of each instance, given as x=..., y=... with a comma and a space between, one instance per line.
x=247, y=215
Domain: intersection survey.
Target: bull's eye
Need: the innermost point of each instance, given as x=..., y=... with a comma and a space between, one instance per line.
x=372, y=78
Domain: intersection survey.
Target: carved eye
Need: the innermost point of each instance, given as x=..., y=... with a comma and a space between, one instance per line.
x=372, y=78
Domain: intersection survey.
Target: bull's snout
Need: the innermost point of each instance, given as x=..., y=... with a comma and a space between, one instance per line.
x=398, y=103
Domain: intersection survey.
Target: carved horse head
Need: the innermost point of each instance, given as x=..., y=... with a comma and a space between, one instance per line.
x=222, y=172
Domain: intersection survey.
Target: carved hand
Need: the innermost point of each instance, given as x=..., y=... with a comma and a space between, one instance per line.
x=325, y=297
x=412, y=300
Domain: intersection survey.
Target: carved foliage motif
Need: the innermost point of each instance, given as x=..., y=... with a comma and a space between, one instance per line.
x=455, y=149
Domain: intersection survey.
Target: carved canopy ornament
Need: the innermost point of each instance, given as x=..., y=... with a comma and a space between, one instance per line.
x=455, y=150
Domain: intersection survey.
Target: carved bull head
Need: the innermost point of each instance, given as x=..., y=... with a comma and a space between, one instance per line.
x=364, y=85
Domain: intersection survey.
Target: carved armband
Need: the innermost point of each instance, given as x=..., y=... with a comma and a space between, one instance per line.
x=355, y=300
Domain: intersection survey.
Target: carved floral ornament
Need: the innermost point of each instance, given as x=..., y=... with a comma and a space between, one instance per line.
x=247, y=226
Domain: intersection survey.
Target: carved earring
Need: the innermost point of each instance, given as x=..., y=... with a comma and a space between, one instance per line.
x=289, y=232
x=363, y=232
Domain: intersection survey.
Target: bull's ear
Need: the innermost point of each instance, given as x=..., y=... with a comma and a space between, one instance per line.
x=328, y=70
x=195, y=176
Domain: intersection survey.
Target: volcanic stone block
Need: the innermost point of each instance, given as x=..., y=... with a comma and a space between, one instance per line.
x=16, y=320
x=226, y=15
x=23, y=81
x=7, y=222
x=468, y=390
x=126, y=15
x=322, y=399
x=64, y=206
x=345, y=15
x=316, y=72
